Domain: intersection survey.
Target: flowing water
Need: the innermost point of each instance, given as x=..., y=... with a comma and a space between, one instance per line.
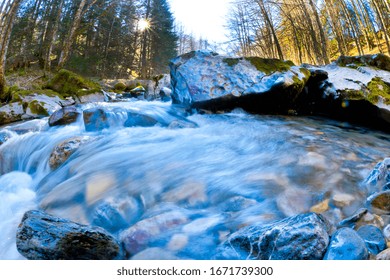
x=183, y=190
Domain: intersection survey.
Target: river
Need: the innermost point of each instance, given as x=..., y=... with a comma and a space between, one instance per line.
x=228, y=171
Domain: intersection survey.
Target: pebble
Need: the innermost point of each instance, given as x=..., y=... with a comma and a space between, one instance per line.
x=384, y=255
x=320, y=207
x=386, y=232
x=342, y=199
x=346, y=244
x=380, y=203
x=374, y=239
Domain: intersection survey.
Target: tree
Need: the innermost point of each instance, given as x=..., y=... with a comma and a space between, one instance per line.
x=163, y=37
x=8, y=11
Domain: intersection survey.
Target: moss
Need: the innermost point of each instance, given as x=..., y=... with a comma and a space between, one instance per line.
x=270, y=65
x=133, y=86
x=18, y=94
x=120, y=87
x=68, y=83
x=189, y=55
x=305, y=72
x=231, y=61
x=37, y=108
x=378, y=89
x=351, y=94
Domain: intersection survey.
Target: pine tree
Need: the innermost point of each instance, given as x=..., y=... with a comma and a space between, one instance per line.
x=163, y=37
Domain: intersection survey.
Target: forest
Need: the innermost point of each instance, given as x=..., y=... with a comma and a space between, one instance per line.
x=121, y=38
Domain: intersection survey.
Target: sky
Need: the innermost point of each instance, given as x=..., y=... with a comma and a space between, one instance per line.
x=205, y=18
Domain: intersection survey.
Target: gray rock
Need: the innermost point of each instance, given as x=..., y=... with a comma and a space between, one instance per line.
x=95, y=119
x=380, y=203
x=302, y=237
x=44, y=237
x=64, y=150
x=379, y=174
x=94, y=97
x=373, y=236
x=207, y=80
x=346, y=244
x=64, y=116
x=384, y=255
x=11, y=113
x=351, y=221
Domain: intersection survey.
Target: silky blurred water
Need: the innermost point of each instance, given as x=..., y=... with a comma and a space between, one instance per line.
x=187, y=187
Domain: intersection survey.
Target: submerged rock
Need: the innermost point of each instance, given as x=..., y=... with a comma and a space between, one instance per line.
x=64, y=116
x=95, y=119
x=207, y=80
x=139, y=236
x=346, y=244
x=44, y=237
x=374, y=239
x=302, y=237
x=138, y=119
x=64, y=150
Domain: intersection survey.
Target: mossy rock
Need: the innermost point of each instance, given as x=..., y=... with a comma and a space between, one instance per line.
x=265, y=65
x=68, y=84
x=120, y=87
x=270, y=65
x=37, y=108
x=378, y=89
x=232, y=61
x=351, y=94
x=379, y=61
x=19, y=94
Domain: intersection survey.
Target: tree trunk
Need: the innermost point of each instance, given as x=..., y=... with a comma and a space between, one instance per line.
x=144, y=66
x=5, y=35
x=71, y=35
x=271, y=27
x=324, y=50
x=382, y=23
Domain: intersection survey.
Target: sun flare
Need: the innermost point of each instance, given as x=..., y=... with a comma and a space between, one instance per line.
x=143, y=24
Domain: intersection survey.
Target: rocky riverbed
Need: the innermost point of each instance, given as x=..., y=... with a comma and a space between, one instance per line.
x=136, y=179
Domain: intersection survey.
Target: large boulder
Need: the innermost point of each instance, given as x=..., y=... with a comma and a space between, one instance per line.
x=95, y=119
x=207, y=80
x=357, y=89
x=44, y=237
x=302, y=237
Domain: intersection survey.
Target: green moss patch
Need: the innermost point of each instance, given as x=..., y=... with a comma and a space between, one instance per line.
x=270, y=65
x=231, y=61
x=378, y=89
x=351, y=94
x=18, y=94
x=68, y=83
x=120, y=87
x=37, y=108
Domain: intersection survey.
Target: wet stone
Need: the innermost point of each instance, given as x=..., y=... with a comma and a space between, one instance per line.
x=302, y=237
x=373, y=236
x=95, y=119
x=380, y=203
x=384, y=255
x=64, y=150
x=4, y=136
x=351, y=221
x=346, y=244
x=64, y=116
x=386, y=187
x=114, y=216
x=41, y=236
